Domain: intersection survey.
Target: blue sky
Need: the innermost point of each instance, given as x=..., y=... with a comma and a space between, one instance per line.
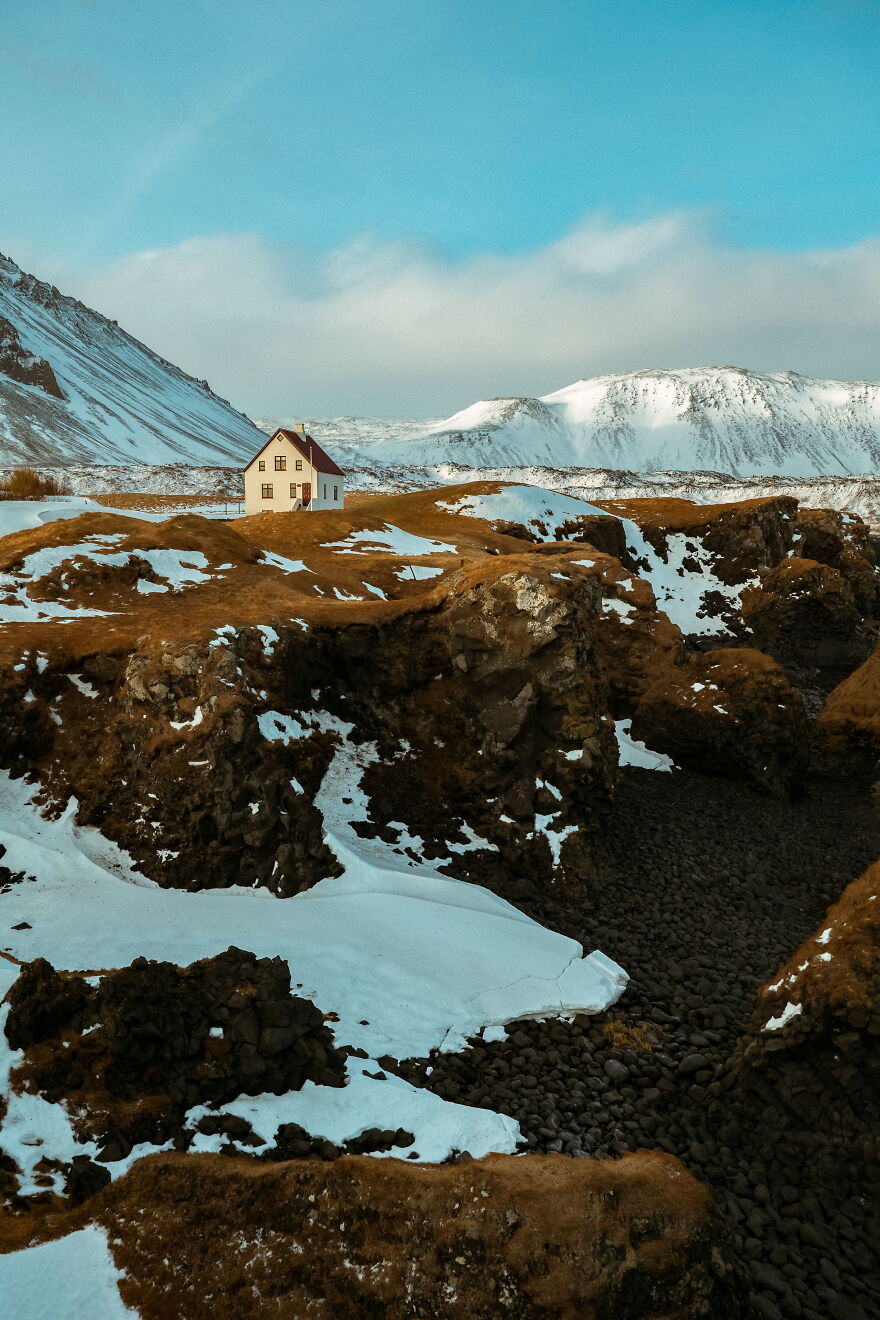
x=326, y=142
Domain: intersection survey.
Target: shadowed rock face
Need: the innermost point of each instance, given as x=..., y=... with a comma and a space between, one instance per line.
x=843, y=541
x=486, y=698
x=728, y=712
x=24, y=367
x=846, y=735
x=633, y=1239
x=500, y=698
x=806, y=613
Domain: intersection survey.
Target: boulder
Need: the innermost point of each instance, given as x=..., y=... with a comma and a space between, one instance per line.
x=806, y=613
x=530, y=1237
x=728, y=712
x=151, y=1040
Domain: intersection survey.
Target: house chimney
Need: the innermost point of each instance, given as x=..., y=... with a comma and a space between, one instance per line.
x=300, y=428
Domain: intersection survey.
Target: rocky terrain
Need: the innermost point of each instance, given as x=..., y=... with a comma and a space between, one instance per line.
x=478, y=819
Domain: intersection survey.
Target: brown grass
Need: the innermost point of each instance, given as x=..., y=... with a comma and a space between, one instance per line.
x=26, y=484
x=842, y=971
x=628, y=1036
x=672, y=514
x=363, y=1236
x=156, y=503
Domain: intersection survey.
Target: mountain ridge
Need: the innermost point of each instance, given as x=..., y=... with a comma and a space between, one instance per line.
x=76, y=387
x=726, y=419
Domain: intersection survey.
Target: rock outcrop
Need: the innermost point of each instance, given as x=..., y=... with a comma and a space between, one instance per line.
x=728, y=712
x=846, y=735
x=742, y=539
x=484, y=692
x=843, y=541
x=635, y=640
x=23, y=367
x=806, y=613
x=814, y=1055
x=630, y=1239
x=134, y=1052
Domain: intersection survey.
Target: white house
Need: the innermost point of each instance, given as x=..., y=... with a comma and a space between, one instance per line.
x=291, y=471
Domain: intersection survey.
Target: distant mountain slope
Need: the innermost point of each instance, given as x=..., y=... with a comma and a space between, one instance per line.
x=75, y=388
x=722, y=419
x=355, y=431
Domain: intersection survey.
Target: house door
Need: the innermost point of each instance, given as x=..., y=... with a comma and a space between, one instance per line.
x=307, y=492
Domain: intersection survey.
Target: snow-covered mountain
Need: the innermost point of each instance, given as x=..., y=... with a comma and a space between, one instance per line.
x=75, y=388
x=720, y=419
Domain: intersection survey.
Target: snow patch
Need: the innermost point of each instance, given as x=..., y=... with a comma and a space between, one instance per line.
x=73, y=1278
x=633, y=752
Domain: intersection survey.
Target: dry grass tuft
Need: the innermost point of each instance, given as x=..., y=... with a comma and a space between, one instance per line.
x=26, y=484
x=628, y=1036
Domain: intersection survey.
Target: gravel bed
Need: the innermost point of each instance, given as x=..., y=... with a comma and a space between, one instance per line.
x=708, y=889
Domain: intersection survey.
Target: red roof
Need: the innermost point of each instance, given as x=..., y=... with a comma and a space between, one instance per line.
x=310, y=450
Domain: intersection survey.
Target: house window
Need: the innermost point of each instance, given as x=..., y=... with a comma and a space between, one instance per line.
x=293, y=490
x=325, y=490
x=280, y=463
x=267, y=490
x=262, y=465
x=335, y=494
x=299, y=465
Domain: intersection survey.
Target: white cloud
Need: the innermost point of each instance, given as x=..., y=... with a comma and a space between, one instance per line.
x=398, y=329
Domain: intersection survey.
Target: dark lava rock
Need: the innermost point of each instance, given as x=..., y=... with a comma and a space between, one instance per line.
x=202, y=1034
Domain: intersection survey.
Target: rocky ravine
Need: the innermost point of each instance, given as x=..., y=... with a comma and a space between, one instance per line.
x=210, y=694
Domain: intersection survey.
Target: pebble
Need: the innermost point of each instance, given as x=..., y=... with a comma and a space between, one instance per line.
x=700, y=918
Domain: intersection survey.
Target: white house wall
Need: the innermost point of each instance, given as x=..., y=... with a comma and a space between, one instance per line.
x=282, y=480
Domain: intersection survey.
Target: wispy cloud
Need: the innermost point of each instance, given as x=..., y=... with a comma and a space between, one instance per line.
x=210, y=106
x=401, y=329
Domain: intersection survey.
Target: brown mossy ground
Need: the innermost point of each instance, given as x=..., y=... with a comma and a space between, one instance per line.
x=531, y=1237
x=671, y=514
x=838, y=968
